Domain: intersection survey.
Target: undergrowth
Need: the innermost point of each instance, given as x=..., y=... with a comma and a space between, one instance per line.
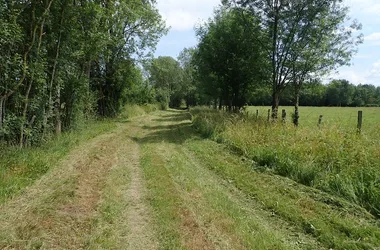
x=333, y=159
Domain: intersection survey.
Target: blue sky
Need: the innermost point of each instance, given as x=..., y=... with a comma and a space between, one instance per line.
x=183, y=15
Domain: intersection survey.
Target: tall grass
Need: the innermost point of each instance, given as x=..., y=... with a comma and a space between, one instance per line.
x=334, y=159
x=132, y=110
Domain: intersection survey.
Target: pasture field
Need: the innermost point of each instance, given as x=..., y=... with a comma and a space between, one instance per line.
x=341, y=117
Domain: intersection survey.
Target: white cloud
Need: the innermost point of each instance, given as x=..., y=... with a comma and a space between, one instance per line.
x=182, y=15
x=375, y=71
x=350, y=75
x=374, y=38
x=357, y=76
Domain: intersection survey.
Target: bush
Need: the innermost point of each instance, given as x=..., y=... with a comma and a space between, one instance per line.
x=163, y=105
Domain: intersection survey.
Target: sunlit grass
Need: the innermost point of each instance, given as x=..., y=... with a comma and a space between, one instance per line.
x=333, y=158
x=344, y=117
x=21, y=167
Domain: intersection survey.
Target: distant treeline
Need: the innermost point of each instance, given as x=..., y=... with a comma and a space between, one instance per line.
x=336, y=93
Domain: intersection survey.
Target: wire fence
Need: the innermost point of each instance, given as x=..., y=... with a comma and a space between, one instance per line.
x=339, y=117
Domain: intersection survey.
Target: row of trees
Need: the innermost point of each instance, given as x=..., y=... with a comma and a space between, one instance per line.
x=64, y=60
x=176, y=82
x=336, y=93
x=250, y=44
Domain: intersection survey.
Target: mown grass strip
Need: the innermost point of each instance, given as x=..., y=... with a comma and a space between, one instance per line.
x=216, y=206
x=20, y=168
x=109, y=227
x=163, y=197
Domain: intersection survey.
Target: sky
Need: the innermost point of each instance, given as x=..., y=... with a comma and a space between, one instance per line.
x=182, y=15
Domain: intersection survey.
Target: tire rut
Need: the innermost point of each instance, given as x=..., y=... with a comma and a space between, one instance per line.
x=140, y=235
x=56, y=211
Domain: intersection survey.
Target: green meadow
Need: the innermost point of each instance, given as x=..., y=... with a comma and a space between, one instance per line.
x=343, y=117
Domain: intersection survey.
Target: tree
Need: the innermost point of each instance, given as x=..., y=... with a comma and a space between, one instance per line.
x=340, y=93
x=186, y=61
x=166, y=76
x=307, y=38
x=131, y=28
x=229, y=57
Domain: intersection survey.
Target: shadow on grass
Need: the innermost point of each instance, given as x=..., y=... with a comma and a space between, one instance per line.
x=166, y=127
x=122, y=120
x=174, y=117
x=178, y=132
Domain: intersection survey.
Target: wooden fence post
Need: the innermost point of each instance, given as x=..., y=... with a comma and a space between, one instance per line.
x=320, y=121
x=268, y=115
x=283, y=115
x=360, y=121
x=257, y=114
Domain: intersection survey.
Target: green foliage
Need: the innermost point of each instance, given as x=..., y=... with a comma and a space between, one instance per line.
x=133, y=110
x=303, y=39
x=190, y=84
x=229, y=58
x=209, y=122
x=66, y=61
x=166, y=77
x=339, y=93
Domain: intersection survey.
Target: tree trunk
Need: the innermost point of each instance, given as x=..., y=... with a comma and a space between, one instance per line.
x=26, y=105
x=229, y=105
x=24, y=113
x=58, y=122
x=296, y=105
x=2, y=101
x=276, y=94
x=53, y=73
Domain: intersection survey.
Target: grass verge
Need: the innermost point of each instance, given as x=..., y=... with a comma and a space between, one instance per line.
x=332, y=159
x=335, y=223
x=21, y=167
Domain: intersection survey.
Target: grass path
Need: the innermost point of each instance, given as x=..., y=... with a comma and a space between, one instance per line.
x=153, y=183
